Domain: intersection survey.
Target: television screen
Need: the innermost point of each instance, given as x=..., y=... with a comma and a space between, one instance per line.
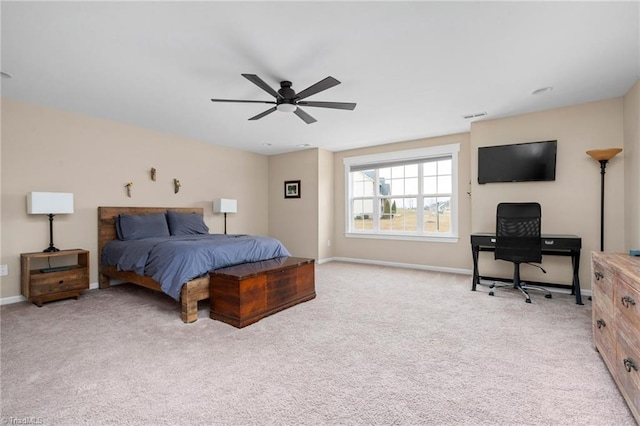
x=523, y=162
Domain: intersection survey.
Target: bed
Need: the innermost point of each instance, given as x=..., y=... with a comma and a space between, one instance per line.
x=189, y=292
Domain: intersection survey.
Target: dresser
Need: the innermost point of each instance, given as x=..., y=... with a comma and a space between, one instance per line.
x=615, y=284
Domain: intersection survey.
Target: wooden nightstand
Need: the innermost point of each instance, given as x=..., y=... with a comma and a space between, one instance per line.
x=40, y=287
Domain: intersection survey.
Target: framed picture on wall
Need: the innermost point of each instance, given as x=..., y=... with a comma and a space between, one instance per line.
x=292, y=189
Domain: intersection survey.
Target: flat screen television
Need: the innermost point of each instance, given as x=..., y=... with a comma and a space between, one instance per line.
x=522, y=162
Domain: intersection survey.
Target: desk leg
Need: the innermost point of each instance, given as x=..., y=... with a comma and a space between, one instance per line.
x=476, y=275
x=575, y=260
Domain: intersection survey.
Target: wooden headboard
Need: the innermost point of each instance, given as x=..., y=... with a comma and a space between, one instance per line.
x=107, y=224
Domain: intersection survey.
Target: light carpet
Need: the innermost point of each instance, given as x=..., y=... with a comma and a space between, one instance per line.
x=378, y=346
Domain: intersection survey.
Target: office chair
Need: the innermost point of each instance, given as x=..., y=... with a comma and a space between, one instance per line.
x=518, y=240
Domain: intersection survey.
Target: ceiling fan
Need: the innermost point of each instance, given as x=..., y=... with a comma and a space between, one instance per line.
x=287, y=100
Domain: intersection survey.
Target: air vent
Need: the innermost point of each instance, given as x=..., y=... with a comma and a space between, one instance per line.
x=476, y=115
x=542, y=90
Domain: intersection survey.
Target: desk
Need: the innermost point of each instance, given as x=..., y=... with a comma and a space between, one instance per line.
x=552, y=245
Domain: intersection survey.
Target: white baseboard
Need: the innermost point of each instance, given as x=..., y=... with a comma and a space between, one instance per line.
x=398, y=265
x=12, y=299
x=17, y=299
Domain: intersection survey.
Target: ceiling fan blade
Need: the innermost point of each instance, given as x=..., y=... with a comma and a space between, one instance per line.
x=239, y=100
x=325, y=84
x=306, y=117
x=262, y=114
x=336, y=105
x=261, y=84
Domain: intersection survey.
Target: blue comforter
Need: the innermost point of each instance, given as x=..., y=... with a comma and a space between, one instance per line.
x=172, y=261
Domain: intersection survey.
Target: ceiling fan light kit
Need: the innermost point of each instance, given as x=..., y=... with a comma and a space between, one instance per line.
x=286, y=107
x=286, y=99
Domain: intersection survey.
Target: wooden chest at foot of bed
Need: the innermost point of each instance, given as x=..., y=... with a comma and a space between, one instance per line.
x=243, y=294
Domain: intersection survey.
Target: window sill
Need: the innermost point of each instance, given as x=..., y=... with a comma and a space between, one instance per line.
x=404, y=237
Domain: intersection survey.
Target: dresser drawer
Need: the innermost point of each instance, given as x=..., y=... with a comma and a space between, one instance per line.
x=628, y=370
x=602, y=288
x=604, y=335
x=56, y=282
x=627, y=305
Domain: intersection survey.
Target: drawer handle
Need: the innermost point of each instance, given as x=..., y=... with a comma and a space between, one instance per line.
x=628, y=301
x=601, y=323
x=629, y=365
x=598, y=275
x=60, y=282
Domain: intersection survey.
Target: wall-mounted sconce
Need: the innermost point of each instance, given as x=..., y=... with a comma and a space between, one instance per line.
x=128, y=186
x=153, y=174
x=176, y=185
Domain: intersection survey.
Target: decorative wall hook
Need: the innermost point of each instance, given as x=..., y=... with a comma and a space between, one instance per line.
x=128, y=186
x=177, y=185
x=153, y=174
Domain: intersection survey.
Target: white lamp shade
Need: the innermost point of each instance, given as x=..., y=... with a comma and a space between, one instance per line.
x=225, y=205
x=49, y=203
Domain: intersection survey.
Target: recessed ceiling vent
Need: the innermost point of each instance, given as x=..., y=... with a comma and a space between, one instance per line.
x=476, y=115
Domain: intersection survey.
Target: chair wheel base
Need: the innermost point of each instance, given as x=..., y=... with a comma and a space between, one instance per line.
x=547, y=296
x=490, y=293
x=527, y=300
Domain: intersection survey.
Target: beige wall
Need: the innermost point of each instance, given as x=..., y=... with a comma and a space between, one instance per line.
x=294, y=221
x=50, y=150
x=456, y=256
x=325, y=205
x=570, y=204
x=632, y=167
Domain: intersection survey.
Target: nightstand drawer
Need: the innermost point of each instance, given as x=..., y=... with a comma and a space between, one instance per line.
x=55, y=282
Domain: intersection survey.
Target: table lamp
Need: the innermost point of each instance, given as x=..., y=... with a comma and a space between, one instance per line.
x=225, y=205
x=51, y=204
x=603, y=156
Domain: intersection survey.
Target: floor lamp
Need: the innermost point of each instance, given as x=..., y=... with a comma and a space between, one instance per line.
x=603, y=156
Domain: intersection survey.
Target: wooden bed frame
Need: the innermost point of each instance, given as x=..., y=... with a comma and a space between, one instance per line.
x=192, y=291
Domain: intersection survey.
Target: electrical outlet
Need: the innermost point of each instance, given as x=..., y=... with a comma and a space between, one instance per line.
x=328, y=243
x=4, y=270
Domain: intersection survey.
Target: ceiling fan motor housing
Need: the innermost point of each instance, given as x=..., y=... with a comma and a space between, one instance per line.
x=286, y=91
x=287, y=102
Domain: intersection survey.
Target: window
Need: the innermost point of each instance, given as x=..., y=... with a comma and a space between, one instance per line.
x=404, y=194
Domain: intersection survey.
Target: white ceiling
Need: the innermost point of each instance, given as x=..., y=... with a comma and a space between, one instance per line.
x=413, y=68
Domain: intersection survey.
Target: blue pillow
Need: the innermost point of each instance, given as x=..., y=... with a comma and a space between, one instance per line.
x=118, y=231
x=186, y=223
x=138, y=226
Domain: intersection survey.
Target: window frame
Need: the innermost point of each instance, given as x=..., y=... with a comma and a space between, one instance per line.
x=411, y=156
